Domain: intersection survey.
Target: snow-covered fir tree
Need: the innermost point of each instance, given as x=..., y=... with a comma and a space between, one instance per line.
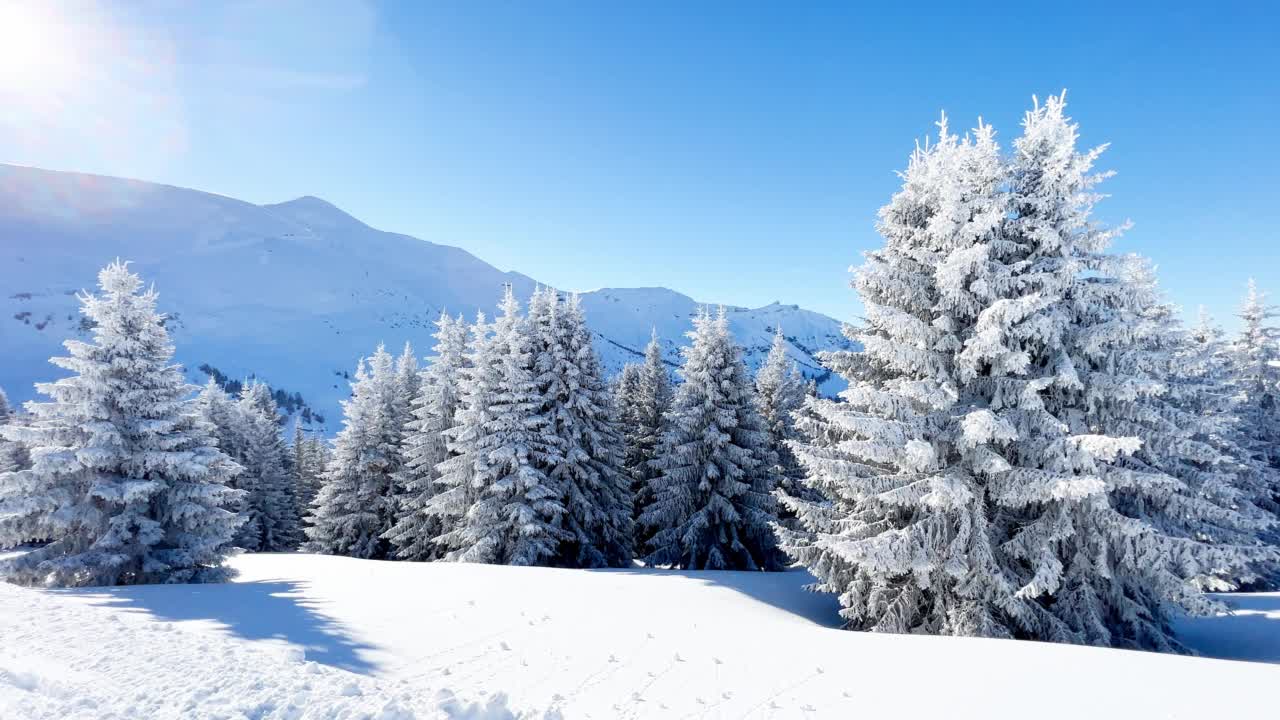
x=625, y=387
x=221, y=415
x=13, y=455
x=1187, y=429
x=643, y=397
x=408, y=383
x=986, y=472
x=712, y=505
x=306, y=468
x=126, y=482
x=780, y=393
x=218, y=409
x=272, y=515
x=586, y=465
x=498, y=505
x=434, y=411
x=455, y=493
x=357, y=502
x=1256, y=367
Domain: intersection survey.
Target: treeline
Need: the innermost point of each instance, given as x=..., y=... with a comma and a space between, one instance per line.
x=510, y=446
x=289, y=403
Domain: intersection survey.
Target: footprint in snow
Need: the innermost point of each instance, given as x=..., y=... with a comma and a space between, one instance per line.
x=717, y=661
x=678, y=658
x=808, y=708
x=613, y=658
x=504, y=645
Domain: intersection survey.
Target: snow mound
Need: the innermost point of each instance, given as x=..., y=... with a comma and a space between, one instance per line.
x=312, y=636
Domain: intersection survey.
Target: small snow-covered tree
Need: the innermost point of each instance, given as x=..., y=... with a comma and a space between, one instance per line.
x=1256, y=369
x=625, y=393
x=219, y=410
x=408, y=382
x=644, y=403
x=13, y=455
x=306, y=468
x=126, y=482
x=1188, y=431
x=356, y=505
x=712, y=500
x=780, y=392
x=270, y=508
x=510, y=510
x=434, y=411
x=585, y=467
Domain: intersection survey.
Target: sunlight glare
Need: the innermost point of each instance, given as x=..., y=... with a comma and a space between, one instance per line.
x=36, y=52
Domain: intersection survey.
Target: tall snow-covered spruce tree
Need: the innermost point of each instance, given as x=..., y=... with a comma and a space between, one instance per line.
x=585, y=468
x=307, y=452
x=780, y=392
x=498, y=506
x=1256, y=381
x=712, y=504
x=126, y=482
x=1001, y=465
x=643, y=395
x=357, y=502
x=272, y=515
x=434, y=411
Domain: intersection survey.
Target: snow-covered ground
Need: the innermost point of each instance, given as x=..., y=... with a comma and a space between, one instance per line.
x=312, y=636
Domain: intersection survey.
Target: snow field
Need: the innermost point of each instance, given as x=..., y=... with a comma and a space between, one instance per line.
x=307, y=636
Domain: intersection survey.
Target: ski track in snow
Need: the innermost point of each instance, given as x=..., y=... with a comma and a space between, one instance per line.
x=306, y=636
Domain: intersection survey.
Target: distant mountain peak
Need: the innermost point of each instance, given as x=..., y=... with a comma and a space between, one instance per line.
x=306, y=202
x=314, y=212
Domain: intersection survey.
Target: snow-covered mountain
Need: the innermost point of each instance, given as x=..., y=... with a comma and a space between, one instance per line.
x=292, y=293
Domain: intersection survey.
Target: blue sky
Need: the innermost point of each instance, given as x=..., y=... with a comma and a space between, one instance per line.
x=736, y=152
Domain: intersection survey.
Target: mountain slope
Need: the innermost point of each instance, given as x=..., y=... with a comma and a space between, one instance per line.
x=293, y=293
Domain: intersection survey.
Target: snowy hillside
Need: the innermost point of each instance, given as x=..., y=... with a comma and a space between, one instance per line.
x=293, y=292
x=328, y=637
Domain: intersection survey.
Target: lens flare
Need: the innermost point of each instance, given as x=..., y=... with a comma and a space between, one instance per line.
x=37, y=49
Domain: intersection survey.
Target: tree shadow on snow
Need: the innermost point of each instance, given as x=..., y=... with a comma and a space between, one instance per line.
x=1251, y=632
x=260, y=610
x=785, y=591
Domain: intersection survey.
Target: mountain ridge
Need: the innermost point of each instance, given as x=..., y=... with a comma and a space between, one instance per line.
x=293, y=292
